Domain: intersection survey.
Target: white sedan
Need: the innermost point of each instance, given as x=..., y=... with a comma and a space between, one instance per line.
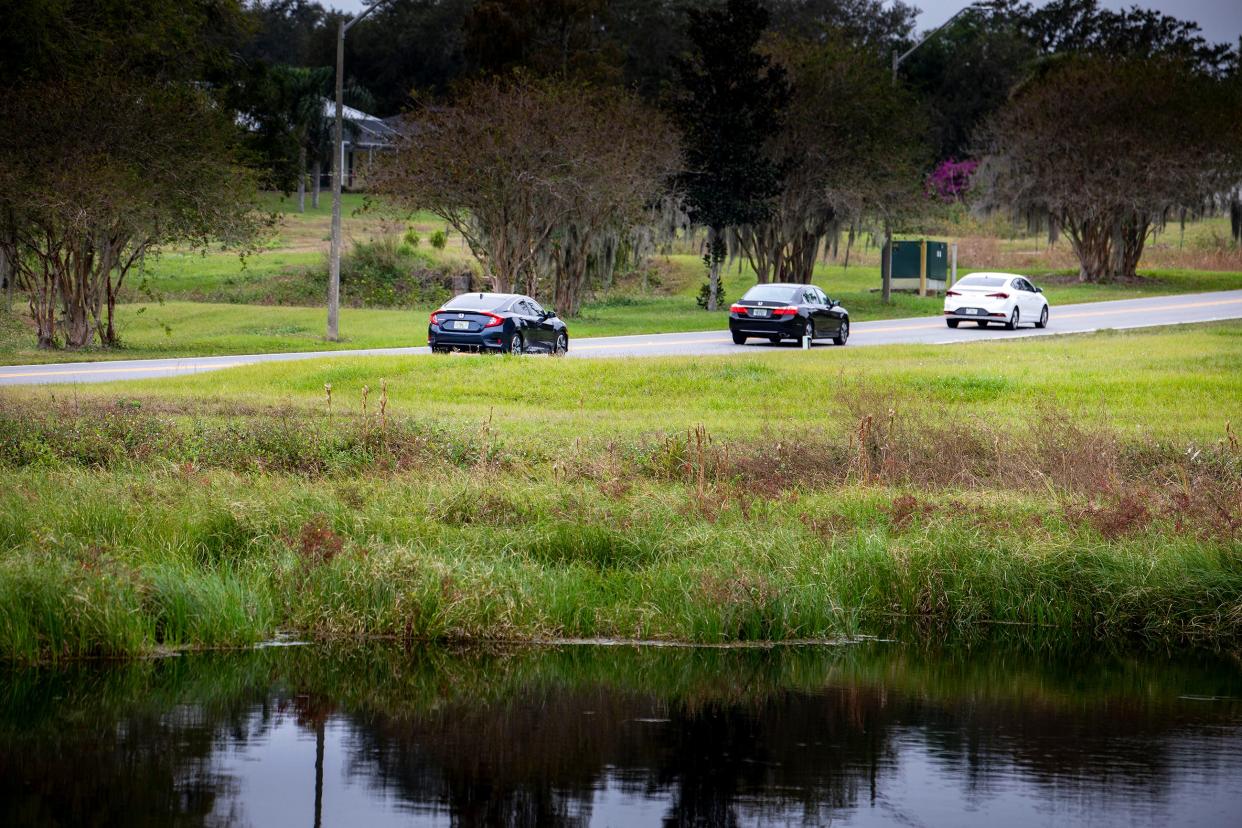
x=1003, y=298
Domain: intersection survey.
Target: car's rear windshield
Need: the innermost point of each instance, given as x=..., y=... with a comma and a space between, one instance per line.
x=478, y=301
x=772, y=293
x=984, y=281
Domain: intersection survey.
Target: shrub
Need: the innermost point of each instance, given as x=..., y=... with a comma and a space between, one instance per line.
x=412, y=239
x=388, y=273
x=705, y=294
x=439, y=239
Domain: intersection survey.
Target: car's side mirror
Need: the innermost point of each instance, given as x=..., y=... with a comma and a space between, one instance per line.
x=1039, y=290
x=548, y=313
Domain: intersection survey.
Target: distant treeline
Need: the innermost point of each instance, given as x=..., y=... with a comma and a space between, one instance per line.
x=426, y=47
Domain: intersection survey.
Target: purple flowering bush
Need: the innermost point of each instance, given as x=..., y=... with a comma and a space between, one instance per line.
x=950, y=180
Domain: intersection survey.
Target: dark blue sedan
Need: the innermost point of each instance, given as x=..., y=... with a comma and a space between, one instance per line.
x=507, y=323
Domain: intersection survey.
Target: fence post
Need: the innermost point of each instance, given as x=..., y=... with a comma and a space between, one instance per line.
x=953, y=265
x=923, y=267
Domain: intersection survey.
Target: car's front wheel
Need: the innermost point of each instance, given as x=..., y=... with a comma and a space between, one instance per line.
x=516, y=344
x=1012, y=324
x=562, y=344
x=739, y=338
x=1043, y=318
x=843, y=335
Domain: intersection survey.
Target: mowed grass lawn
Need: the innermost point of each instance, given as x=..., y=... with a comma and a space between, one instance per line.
x=1183, y=383
x=190, y=328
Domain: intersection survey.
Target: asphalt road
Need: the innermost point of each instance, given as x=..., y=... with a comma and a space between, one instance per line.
x=1127, y=313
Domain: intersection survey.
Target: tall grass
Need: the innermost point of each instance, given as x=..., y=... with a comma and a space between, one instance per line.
x=124, y=530
x=104, y=564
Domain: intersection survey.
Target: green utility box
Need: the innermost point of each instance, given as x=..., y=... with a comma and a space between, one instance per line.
x=909, y=260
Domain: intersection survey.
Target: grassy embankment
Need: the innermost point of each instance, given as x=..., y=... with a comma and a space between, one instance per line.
x=1086, y=486
x=215, y=304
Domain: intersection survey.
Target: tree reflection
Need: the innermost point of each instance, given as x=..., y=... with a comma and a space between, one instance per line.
x=532, y=737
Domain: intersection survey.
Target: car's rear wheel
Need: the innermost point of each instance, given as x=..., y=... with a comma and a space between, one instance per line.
x=738, y=338
x=516, y=344
x=562, y=344
x=952, y=323
x=843, y=335
x=1043, y=318
x=981, y=324
x=1012, y=324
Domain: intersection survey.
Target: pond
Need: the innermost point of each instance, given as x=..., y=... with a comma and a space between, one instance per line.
x=873, y=733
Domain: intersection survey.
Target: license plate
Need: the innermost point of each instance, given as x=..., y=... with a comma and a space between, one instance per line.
x=972, y=310
x=758, y=311
x=461, y=326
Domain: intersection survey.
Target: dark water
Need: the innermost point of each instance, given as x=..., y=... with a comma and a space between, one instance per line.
x=874, y=734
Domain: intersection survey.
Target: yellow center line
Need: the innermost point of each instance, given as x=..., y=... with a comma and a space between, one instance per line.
x=1175, y=306
x=139, y=369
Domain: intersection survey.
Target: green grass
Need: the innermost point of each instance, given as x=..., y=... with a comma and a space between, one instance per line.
x=1182, y=382
x=121, y=563
x=522, y=498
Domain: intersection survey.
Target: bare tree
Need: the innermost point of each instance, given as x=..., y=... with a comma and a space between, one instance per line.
x=97, y=172
x=1108, y=150
x=537, y=176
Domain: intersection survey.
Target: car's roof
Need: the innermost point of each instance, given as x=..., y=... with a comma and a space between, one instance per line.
x=483, y=294
x=782, y=284
x=995, y=275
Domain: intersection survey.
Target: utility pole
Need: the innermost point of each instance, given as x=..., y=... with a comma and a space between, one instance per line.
x=338, y=162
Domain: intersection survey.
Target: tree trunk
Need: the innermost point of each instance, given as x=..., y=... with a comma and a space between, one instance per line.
x=715, y=257
x=302, y=180
x=1108, y=247
x=316, y=181
x=7, y=275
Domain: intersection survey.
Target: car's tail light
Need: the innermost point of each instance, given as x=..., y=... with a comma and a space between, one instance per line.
x=737, y=309
x=951, y=293
x=494, y=321
x=434, y=319
x=788, y=310
x=998, y=295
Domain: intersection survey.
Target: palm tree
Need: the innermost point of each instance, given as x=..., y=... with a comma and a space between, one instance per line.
x=304, y=104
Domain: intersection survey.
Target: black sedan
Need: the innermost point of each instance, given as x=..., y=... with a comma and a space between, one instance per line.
x=784, y=311
x=504, y=322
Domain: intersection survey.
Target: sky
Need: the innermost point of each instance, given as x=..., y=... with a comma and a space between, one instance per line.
x=1221, y=20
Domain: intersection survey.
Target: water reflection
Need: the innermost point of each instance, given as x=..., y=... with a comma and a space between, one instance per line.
x=870, y=734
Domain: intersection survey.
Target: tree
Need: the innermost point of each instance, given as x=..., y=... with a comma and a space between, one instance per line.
x=849, y=148
x=303, y=93
x=534, y=174
x=964, y=74
x=1082, y=27
x=1107, y=150
x=97, y=172
x=730, y=98
x=289, y=116
x=877, y=25
x=554, y=38
x=631, y=153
